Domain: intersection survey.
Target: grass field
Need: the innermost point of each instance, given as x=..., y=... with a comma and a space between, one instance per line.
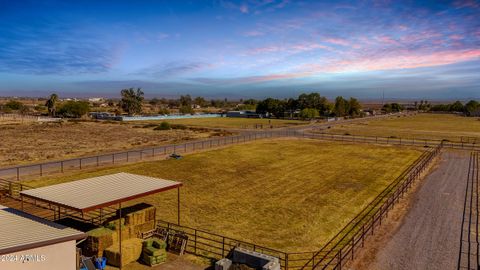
x=31, y=141
x=225, y=122
x=287, y=194
x=421, y=126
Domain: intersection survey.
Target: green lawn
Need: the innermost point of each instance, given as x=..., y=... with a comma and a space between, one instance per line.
x=421, y=126
x=225, y=122
x=292, y=195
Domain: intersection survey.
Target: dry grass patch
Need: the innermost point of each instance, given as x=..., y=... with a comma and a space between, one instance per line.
x=420, y=126
x=34, y=142
x=224, y=122
x=290, y=194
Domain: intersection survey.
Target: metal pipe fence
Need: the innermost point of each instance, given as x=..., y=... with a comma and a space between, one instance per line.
x=334, y=254
x=18, y=173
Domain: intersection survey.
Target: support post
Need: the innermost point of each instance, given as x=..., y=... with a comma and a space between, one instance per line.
x=178, y=205
x=120, y=234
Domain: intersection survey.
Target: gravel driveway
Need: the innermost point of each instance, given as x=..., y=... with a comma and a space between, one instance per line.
x=429, y=237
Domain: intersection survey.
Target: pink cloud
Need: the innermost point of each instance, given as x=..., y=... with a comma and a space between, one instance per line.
x=456, y=37
x=338, y=41
x=292, y=48
x=387, y=40
x=466, y=4
x=399, y=60
x=367, y=63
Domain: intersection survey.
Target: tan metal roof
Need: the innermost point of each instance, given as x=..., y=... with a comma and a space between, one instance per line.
x=21, y=231
x=93, y=193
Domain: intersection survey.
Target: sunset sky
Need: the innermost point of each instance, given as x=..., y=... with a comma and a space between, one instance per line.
x=239, y=49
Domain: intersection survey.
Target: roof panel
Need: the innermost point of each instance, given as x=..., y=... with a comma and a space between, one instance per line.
x=93, y=193
x=21, y=231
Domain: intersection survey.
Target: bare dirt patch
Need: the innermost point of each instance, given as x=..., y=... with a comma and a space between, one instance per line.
x=33, y=142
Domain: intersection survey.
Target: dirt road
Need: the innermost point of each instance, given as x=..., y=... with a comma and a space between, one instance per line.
x=429, y=237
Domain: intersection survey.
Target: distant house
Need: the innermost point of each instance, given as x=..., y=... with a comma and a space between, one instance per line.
x=31, y=243
x=244, y=114
x=96, y=100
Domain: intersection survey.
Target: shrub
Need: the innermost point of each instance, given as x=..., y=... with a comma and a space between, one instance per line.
x=163, y=126
x=14, y=105
x=74, y=109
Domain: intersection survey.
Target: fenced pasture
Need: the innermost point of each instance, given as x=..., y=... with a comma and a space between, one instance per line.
x=455, y=128
x=235, y=123
x=286, y=194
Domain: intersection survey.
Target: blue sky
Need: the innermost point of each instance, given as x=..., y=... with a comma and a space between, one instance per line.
x=239, y=49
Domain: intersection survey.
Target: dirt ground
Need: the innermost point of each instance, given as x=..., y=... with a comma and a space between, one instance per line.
x=30, y=142
x=428, y=236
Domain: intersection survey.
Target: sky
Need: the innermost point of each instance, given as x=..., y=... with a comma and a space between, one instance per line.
x=241, y=49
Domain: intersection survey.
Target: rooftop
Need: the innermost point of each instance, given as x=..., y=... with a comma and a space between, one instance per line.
x=97, y=192
x=21, y=231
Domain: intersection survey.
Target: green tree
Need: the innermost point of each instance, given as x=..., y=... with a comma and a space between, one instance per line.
x=74, y=109
x=272, y=106
x=131, y=101
x=186, y=100
x=309, y=113
x=354, y=107
x=314, y=101
x=52, y=104
x=185, y=109
x=341, y=107
x=457, y=106
x=472, y=107
x=200, y=101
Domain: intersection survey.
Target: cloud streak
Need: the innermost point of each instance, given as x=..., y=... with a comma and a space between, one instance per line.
x=52, y=49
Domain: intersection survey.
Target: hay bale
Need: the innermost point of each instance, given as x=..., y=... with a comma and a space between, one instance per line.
x=98, y=240
x=131, y=251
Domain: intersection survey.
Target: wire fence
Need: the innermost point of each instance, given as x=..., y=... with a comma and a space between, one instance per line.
x=333, y=255
x=336, y=252
x=18, y=173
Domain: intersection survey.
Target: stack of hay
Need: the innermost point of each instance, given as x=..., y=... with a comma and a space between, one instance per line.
x=154, y=251
x=141, y=220
x=98, y=240
x=131, y=251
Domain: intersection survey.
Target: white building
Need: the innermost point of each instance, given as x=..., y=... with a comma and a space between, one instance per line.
x=31, y=243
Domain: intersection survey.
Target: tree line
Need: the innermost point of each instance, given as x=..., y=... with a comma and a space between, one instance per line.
x=309, y=106
x=471, y=108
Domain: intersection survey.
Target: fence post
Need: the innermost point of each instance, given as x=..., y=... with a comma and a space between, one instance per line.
x=97, y=162
x=61, y=166
x=18, y=174
x=223, y=247
x=195, y=244
x=286, y=261
x=41, y=170
x=113, y=158
x=340, y=259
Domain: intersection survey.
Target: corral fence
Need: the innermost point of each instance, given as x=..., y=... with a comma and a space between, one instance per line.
x=460, y=145
x=336, y=252
x=18, y=173
x=342, y=247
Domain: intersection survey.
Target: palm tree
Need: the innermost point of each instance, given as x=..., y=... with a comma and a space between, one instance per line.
x=52, y=104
